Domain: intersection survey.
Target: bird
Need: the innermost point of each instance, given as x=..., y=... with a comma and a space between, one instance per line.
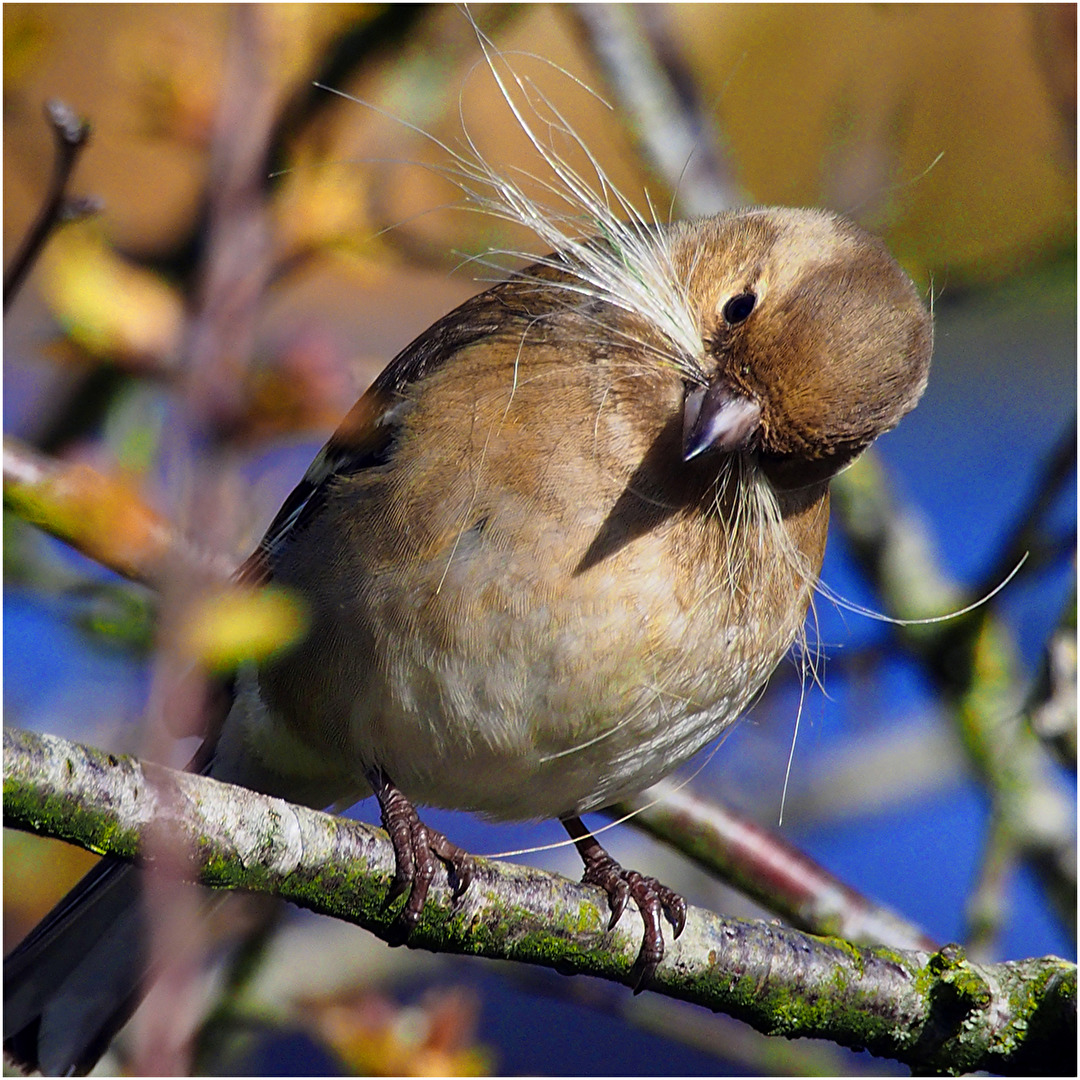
x=556, y=548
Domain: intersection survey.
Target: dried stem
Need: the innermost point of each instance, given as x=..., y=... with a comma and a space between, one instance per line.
x=71, y=134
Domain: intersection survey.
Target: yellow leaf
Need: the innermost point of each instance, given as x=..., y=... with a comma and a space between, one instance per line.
x=109, y=306
x=227, y=628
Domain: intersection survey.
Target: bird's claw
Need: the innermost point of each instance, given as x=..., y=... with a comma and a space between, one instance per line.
x=651, y=896
x=416, y=848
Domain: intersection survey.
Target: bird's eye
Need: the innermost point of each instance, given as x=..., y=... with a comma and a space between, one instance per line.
x=738, y=308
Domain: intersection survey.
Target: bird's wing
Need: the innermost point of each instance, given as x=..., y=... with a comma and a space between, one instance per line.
x=364, y=439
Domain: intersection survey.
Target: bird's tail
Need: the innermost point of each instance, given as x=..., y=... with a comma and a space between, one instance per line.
x=77, y=977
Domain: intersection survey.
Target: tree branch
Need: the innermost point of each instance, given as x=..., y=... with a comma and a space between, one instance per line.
x=768, y=869
x=71, y=134
x=932, y=1011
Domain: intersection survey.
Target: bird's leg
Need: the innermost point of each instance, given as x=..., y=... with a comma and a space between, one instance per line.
x=415, y=849
x=650, y=895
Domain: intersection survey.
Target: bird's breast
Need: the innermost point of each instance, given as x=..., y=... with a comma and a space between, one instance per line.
x=538, y=608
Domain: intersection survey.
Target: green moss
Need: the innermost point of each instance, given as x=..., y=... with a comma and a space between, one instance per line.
x=949, y=967
x=1025, y=997
x=65, y=818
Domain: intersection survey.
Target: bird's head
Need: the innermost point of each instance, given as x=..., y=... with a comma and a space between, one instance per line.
x=815, y=340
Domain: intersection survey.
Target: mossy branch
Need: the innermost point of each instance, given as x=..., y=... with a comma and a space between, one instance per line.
x=934, y=1012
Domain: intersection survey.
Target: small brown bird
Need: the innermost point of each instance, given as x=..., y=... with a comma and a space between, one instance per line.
x=557, y=547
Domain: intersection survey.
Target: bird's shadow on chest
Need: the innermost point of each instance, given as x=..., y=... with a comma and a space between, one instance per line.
x=660, y=487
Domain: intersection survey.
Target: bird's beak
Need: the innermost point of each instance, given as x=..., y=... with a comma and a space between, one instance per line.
x=717, y=417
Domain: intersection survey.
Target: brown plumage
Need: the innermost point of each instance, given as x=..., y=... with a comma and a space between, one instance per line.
x=567, y=535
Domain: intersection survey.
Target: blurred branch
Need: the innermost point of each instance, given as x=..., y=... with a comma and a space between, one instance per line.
x=1054, y=39
x=933, y=1012
x=238, y=261
x=71, y=135
x=388, y=29
x=972, y=660
x=653, y=87
x=1026, y=536
x=214, y=414
x=1028, y=804
x=1051, y=707
x=767, y=868
x=102, y=516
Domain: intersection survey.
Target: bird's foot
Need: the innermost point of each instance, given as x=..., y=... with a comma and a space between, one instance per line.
x=416, y=847
x=651, y=896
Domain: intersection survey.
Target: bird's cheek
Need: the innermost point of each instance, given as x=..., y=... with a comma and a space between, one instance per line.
x=718, y=417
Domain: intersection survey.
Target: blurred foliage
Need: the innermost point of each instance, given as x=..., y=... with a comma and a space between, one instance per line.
x=118, y=616
x=943, y=127
x=100, y=514
x=112, y=308
x=224, y=629
x=114, y=615
x=375, y=1036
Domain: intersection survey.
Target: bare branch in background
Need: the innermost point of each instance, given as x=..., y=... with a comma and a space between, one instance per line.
x=656, y=92
x=766, y=868
x=1027, y=538
x=71, y=134
x=1051, y=708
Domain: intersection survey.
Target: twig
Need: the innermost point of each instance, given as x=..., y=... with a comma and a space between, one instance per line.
x=659, y=96
x=71, y=134
x=1051, y=706
x=102, y=516
x=767, y=868
x=1024, y=537
x=935, y=1012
